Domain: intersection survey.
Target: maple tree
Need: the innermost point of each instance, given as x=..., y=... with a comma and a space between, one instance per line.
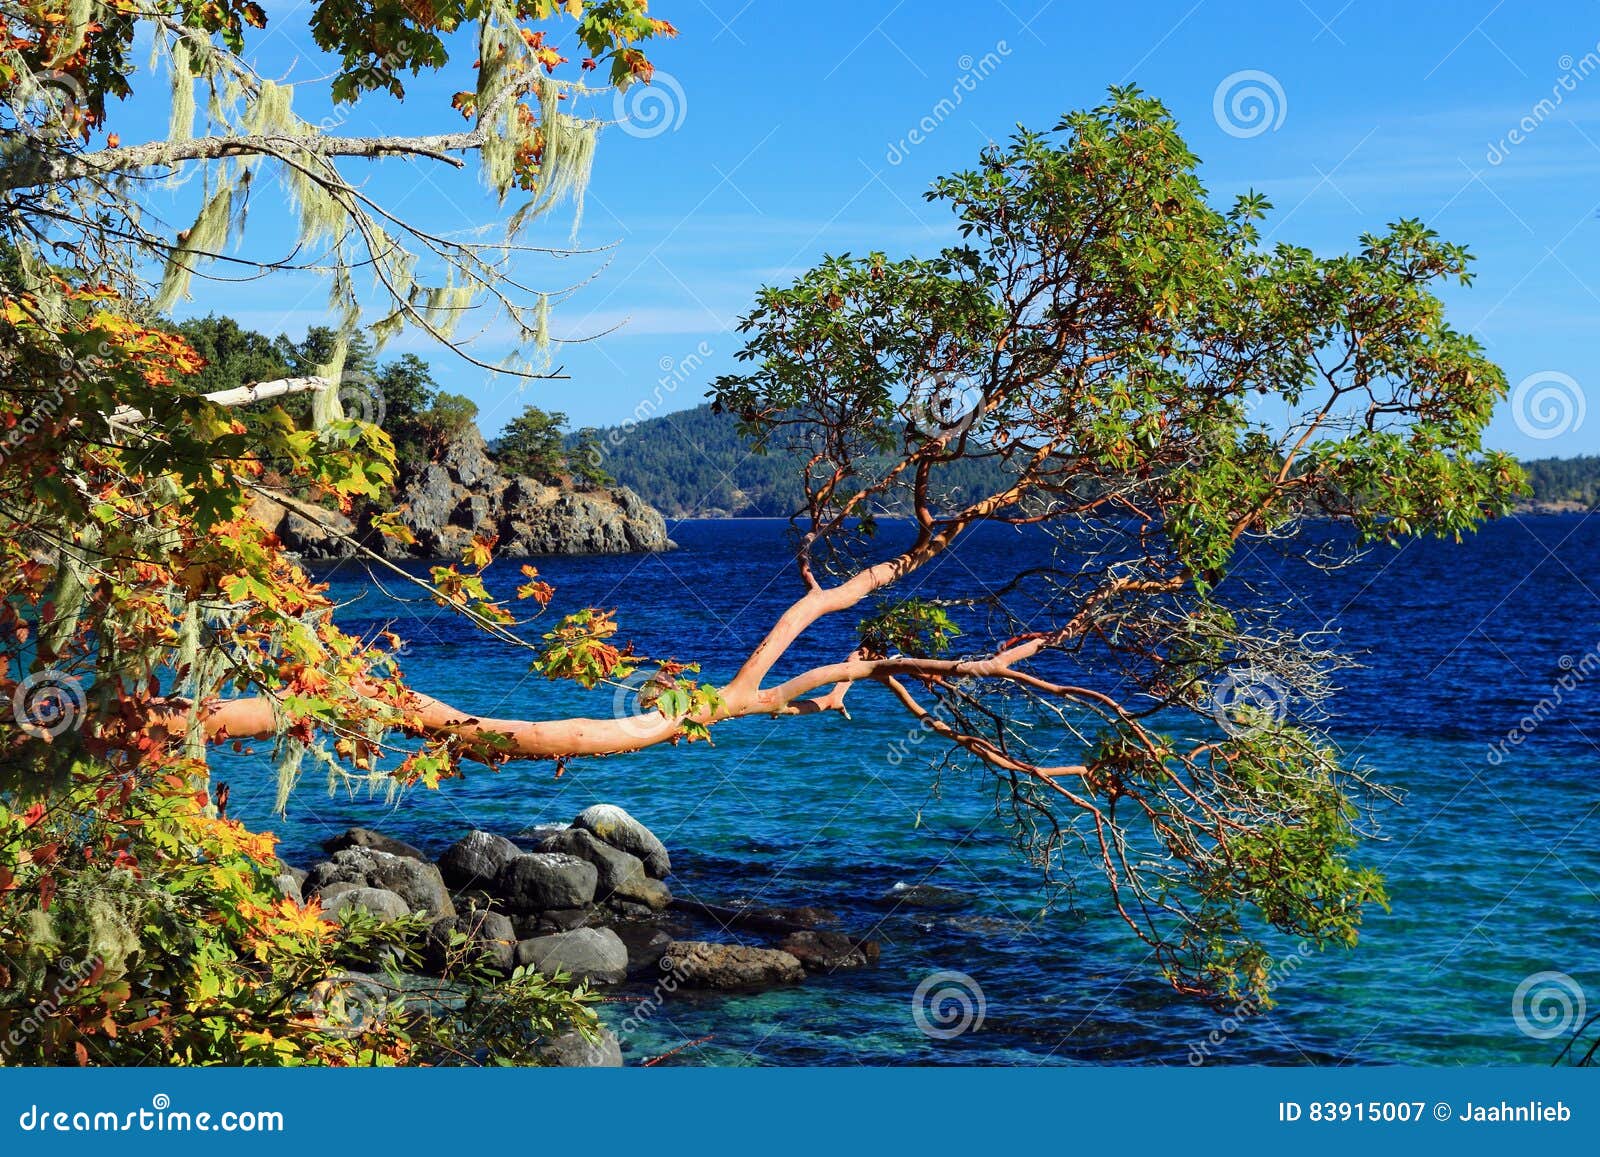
x=137, y=921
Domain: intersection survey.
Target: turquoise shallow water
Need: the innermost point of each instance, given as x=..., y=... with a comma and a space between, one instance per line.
x=1493, y=867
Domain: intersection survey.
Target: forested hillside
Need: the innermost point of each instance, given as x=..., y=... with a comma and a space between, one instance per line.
x=693, y=463
x=1565, y=480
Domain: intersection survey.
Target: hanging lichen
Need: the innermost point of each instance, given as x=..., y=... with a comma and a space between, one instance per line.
x=78, y=17
x=566, y=159
x=205, y=237
x=180, y=126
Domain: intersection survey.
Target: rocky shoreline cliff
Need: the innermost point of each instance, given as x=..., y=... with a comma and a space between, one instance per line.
x=462, y=494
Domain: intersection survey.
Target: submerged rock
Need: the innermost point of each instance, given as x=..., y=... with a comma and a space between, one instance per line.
x=829, y=951
x=700, y=964
x=759, y=918
x=926, y=896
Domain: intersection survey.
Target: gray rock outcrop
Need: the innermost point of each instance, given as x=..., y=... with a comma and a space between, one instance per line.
x=463, y=495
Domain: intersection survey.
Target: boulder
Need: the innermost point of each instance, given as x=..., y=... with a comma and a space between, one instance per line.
x=377, y=841
x=381, y=902
x=415, y=881
x=490, y=940
x=629, y=910
x=927, y=896
x=475, y=859
x=699, y=964
x=619, y=829
x=571, y=1050
x=540, y=881
x=536, y=834
x=646, y=946
x=652, y=894
x=829, y=951
x=288, y=880
x=622, y=875
x=593, y=954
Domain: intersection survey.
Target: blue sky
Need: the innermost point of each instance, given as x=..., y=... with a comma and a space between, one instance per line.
x=788, y=135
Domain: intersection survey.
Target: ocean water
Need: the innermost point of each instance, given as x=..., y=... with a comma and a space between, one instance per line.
x=1493, y=863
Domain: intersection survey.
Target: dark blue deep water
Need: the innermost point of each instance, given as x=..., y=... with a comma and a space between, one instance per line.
x=1493, y=867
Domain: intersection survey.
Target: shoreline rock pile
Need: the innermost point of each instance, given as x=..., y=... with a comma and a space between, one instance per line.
x=588, y=898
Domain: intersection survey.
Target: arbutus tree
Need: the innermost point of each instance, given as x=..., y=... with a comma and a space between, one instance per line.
x=1161, y=391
